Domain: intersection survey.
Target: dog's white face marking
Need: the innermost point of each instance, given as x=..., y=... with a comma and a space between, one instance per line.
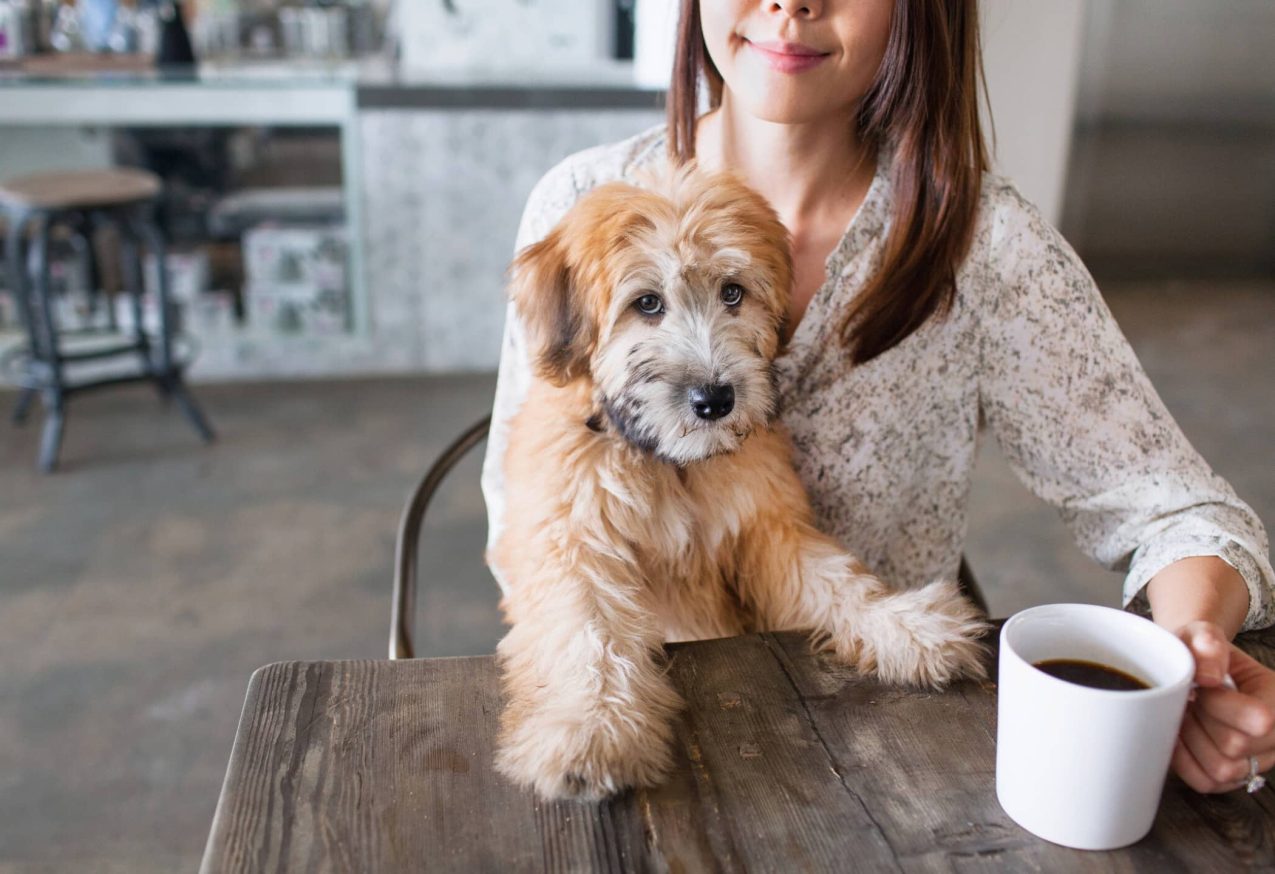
x=682, y=364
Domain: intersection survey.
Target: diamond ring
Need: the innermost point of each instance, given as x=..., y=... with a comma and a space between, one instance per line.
x=1255, y=780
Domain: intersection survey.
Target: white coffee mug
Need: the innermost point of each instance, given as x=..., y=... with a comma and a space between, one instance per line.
x=1080, y=766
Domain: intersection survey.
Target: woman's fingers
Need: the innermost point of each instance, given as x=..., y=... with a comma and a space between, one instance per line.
x=1224, y=729
x=1221, y=771
x=1249, y=674
x=1192, y=774
x=1239, y=724
x=1186, y=767
x=1198, y=776
x=1211, y=649
x=1230, y=741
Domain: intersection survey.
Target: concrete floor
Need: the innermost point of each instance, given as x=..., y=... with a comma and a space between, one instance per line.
x=141, y=585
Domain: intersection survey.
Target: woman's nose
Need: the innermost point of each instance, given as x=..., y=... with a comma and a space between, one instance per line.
x=797, y=8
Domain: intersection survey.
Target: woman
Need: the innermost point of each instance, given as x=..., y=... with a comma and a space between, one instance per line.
x=928, y=295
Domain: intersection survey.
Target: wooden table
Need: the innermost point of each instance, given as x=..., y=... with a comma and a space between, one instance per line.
x=788, y=762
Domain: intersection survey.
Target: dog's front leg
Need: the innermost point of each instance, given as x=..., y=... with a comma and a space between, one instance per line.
x=589, y=710
x=794, y=576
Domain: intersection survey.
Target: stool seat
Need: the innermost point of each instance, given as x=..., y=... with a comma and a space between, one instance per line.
x=80, y=189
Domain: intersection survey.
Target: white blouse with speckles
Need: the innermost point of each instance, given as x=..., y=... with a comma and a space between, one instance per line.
x=887, y=449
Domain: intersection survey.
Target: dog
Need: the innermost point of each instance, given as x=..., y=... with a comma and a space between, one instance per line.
x=650, y=489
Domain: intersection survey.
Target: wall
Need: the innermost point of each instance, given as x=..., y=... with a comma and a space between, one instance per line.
x=445, y=191
x=1031, y=57
x=1173, y=164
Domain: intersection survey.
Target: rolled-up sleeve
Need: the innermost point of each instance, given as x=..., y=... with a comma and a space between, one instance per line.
x=548, y=202
x=1083, y=428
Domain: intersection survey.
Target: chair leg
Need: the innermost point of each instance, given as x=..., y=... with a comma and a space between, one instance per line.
x=16, y=260
x=131, y=269
x=168, y=376
x=176, y=387
x=51, y=439
x=53, y=394
x=20, y=287
x=23, y=406
x=82, y=242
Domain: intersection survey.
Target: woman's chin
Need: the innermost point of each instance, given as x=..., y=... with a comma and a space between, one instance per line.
x=780, y=102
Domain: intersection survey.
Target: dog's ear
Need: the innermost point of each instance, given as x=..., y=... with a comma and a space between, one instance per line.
x=551, y=307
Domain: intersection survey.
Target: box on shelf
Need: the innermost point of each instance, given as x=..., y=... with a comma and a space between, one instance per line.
x=297, y=308
x=188, y=274
x=297, y=279
x=66, y=272
x=306, y=255
x=211, y=313
x=150, y=313
x=72, y=307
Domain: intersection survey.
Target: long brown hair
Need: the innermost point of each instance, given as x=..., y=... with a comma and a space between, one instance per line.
x=924, y=101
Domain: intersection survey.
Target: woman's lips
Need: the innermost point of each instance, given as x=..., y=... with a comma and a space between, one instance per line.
x=794, y=59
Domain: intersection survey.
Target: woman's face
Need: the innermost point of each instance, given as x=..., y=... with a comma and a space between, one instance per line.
x=793, y=61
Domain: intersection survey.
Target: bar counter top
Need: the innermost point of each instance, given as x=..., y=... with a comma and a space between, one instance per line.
x=373, y=84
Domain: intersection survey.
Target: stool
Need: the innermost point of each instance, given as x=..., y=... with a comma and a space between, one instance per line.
x=124, y=198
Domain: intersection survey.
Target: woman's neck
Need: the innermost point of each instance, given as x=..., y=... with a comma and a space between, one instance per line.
x=811, y=173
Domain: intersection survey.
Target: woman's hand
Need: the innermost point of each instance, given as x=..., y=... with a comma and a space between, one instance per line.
x=1224, y=727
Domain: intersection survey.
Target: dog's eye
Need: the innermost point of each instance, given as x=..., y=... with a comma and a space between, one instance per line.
x=650, y=304
x=732, y=294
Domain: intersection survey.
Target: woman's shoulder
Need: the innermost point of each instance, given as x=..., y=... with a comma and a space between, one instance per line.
x=1010, y=229
x=564, y=182
x=1018, y=262
x=1004, y=210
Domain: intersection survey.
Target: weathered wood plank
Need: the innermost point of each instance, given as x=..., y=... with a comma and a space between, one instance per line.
x=786, y=762
x=369, y=766
x=927, y=762
x=771, y=800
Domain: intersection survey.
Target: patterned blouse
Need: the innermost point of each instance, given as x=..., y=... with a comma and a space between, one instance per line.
x=886, y=449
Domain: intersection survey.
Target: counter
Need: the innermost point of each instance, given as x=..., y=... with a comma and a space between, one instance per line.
x=313, y=90
x=436, y=169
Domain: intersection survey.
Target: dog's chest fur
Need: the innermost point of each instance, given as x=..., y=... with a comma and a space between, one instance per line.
x=682, y=526
x=569, y=486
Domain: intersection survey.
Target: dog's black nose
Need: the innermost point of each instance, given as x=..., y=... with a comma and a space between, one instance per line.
x=712, y=401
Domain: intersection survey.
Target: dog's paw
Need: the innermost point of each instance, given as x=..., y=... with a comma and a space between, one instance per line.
x=923, y=637
x=586, y=756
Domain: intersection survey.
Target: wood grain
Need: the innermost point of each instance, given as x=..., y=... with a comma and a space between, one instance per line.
x=786, y=762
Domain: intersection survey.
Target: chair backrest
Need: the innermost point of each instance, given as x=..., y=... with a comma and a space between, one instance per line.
x=406, y=551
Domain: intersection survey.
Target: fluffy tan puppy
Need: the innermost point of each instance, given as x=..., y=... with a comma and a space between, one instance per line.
x=650, y=492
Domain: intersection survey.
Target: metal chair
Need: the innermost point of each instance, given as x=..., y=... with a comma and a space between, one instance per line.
x=403, y=609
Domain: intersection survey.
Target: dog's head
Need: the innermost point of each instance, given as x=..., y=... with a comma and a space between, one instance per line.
x=671, y=298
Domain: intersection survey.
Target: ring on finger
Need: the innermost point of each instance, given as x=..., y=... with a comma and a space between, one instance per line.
x=1254, y=781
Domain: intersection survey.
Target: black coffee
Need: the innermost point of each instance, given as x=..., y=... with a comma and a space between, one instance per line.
x=1092, y=674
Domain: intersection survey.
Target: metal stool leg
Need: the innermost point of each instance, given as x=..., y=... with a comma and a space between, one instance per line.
x=81, y=226
x=191, y=409
x=51, y=439
x=168, y=375
x=15, y=260
x=131, y=268
x=49, y=356
x=23, y=406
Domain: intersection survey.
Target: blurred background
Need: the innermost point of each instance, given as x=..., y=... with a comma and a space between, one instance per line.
x=342, y=183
